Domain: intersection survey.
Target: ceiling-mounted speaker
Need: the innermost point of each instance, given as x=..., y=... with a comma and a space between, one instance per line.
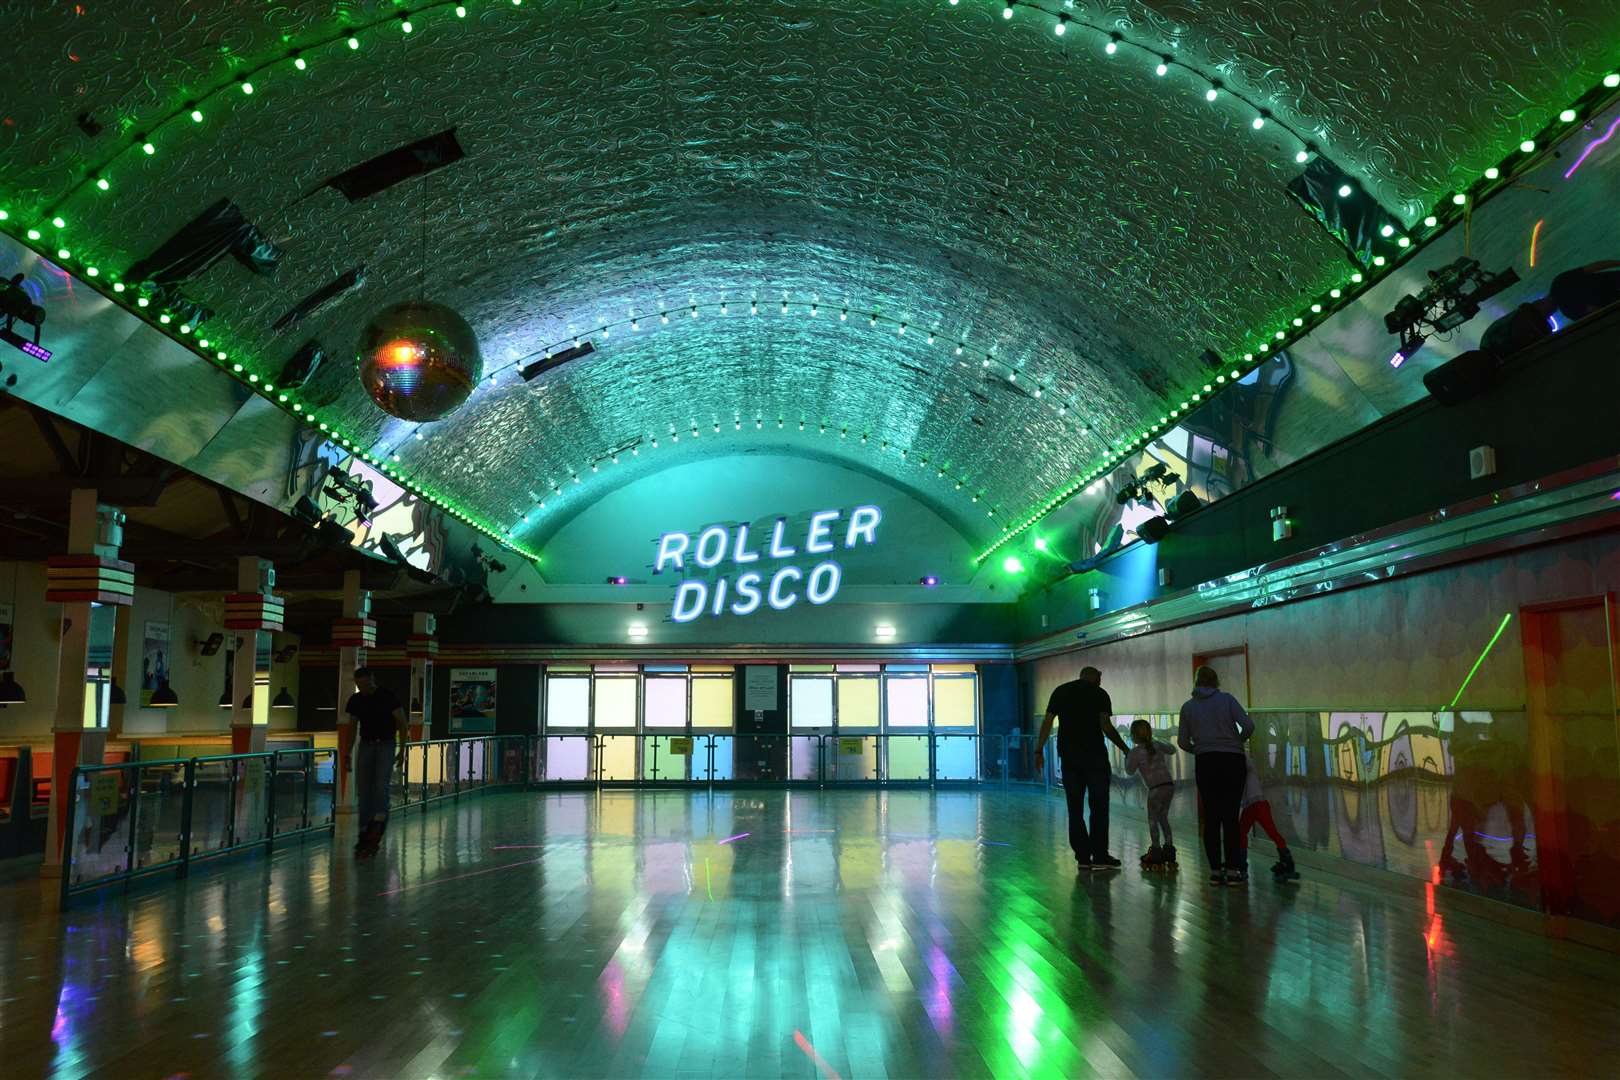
x=1462, y=377
x=1153, y=529
x=1183, y=504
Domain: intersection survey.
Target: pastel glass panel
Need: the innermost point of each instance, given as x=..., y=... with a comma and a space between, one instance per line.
x=666, y=703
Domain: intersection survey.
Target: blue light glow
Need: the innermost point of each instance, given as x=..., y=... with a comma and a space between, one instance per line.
x=775, y=595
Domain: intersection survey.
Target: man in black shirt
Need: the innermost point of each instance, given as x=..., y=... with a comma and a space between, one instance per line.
x=1086, y=715
x=378, y=721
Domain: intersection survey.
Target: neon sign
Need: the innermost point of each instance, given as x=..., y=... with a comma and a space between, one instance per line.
x=780, y=588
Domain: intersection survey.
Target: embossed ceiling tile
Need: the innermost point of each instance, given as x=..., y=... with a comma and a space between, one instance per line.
x=1091, y=226
x=1417, y=97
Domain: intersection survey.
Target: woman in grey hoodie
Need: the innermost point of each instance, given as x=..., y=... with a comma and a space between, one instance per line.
x=1213, y=728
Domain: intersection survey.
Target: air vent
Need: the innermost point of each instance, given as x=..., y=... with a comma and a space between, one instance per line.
x=385, y=170
x=329, y=293
x=534, y=370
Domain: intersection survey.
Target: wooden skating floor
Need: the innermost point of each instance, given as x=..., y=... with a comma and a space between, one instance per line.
x=771, y=933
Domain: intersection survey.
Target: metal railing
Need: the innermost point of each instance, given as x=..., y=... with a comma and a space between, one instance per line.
x=136, y=818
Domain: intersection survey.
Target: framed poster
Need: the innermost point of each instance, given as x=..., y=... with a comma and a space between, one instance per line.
x=5, y=636
x=472, y=700
x=759, y=687
x=154, y=660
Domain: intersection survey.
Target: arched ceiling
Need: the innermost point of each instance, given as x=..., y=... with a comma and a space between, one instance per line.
x=1085, y=226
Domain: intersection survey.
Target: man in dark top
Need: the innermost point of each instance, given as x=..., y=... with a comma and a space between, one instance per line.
x=378, y=721
x=1086, y=715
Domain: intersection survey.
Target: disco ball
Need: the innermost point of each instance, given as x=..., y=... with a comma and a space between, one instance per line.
x=419, y=360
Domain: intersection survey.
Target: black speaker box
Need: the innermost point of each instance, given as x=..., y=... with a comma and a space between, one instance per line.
x=1462, y=377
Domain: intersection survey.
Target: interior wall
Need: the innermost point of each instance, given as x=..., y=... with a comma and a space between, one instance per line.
x=1401, y=645
x=1404, y=466
x=196, y=680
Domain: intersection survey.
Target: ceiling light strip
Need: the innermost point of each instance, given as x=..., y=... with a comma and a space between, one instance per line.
x=1447, y=211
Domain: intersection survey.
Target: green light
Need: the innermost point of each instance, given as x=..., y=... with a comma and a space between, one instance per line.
x=461, y=11
x=1012, y=564
x=1040, y=543
x=1430, y=222
x=92, y=271
x=58, y=222
x=354, y=43
x=1460, y=199
x=4, y=216
x=148, y=148
x=142, y=302
x=300, y=63
x=1611, y=80
x=1404, y=242
x=164, y=318
x=101, y=182
x=405, y=26
x=33, y=234
x=118, y=286
x=1492, y=173
x=1473, y=670
x=247, y=87
x=1528, y=146
x=196, y=116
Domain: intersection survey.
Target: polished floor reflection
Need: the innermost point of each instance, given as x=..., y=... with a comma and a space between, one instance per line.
x=847, y=934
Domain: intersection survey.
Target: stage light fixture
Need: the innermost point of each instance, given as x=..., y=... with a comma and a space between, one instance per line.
x=15, y=304
x=928, y=581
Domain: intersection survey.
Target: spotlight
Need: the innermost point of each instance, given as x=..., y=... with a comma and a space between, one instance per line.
x=1153, y=529
x=1453, y=296
x=16, y=304
x=928, y=581
x=1013, y=564
x=618, y=579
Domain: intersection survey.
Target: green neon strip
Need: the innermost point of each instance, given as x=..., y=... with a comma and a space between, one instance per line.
x=1473, y=670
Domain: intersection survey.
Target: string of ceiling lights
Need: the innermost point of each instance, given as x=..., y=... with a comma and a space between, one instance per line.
x=758, y=422
x=854, y=315
x=1448, y=210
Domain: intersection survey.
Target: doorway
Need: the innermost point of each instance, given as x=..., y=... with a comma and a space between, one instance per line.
x=1574, y=759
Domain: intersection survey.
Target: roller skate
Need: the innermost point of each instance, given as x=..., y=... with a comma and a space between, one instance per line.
x=370, y=840
x=1169, y=863
x=1151, y=859
x=1283, y=869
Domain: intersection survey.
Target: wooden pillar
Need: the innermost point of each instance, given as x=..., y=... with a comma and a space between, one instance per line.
x=89, y=574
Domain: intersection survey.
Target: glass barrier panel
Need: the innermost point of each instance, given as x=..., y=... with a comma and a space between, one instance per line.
x=101, y=822
x=229, y=803
x=474, y=759
x=158, y=823
x=851, y=758
x=907, y=757
x=289, y=775
x=664, y=760
x=441, y=769
x=957, y=757
x=616, y=757
x=717, y=760
x=323, y=788
x=760, y=758
x=565, y=757
x=805, y=757
x=509, y=767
